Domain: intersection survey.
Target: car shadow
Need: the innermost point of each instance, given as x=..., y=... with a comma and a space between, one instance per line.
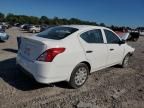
x=2, y=41
x=16, y=78
x=11, y=50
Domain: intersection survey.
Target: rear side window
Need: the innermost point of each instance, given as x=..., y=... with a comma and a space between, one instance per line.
x=57, y=33
x=111, y=37
x=37, y=26
x=92, y=36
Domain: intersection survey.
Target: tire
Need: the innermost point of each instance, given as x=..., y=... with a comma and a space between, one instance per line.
x=33, y=31
x=79, y=75
x=125, y=62
x=135, y=39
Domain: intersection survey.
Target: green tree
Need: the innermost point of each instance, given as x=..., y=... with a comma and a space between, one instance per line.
x=65, y=21
x=11, y=18
x=102, y=24
x=2, y=17
x=44, y=20
x=75, y=21
x=33, y=20
x=56, y=21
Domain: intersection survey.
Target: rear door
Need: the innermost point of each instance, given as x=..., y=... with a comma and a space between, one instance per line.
x=96, y=51
x=115, y=50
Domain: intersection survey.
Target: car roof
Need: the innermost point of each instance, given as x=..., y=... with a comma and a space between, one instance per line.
x=82, y=27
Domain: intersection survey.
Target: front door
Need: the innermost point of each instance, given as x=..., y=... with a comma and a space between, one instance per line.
x=115, y=50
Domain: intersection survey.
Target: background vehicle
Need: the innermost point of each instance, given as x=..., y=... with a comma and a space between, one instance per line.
x=142, y=33
x=34, y=28
x=17, y=25
x=70, y=53
x=2, y=28
x=44, y=27
x=3, y=35
x=134, y=36
x=128, y=35
x=25, y=27
x=5, y=25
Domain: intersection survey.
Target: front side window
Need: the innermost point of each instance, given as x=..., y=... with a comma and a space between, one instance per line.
x=57, y=33
x=92, y=36
x=111, y=37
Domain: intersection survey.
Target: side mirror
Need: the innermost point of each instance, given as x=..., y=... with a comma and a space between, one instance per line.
x=122, y=42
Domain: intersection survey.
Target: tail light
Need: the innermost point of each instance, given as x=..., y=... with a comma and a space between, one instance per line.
x=50, y=54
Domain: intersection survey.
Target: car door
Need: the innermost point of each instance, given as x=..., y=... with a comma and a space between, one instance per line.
x=115, y=50
x=95, y=50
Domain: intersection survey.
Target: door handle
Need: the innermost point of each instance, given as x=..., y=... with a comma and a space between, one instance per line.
x=111, y=49
x=89, y=51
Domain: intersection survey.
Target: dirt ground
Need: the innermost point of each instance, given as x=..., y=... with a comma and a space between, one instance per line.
x=113, y=87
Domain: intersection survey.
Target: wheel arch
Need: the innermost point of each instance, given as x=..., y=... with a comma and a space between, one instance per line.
x=85, y=62
x=129, y=53
x=88, y=64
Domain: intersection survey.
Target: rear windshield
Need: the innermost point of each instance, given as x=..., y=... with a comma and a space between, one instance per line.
x=57, y=33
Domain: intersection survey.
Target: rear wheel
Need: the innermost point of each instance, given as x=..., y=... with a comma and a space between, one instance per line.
x=79, y=75
x=33, y=31
x=125, y=62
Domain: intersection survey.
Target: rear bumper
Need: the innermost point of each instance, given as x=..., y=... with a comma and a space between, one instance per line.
x=42, y=72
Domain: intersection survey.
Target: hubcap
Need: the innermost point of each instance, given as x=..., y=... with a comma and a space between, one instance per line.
x=81, y=76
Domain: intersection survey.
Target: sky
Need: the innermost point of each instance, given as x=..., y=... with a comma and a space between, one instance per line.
x=111, y=12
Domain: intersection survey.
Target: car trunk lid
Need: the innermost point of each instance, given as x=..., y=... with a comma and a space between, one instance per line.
x=31, y=48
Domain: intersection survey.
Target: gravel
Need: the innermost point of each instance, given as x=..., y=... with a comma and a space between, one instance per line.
x=113, y=87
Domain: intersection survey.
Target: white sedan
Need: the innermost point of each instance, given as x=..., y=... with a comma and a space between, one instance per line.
x=3, y=35
x=71, y=52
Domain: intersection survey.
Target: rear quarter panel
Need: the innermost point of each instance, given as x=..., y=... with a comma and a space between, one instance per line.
x=72, y=56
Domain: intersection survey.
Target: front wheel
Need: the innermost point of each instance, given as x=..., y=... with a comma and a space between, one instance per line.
x=135, y=39
x=79, y=75
x=125, y=62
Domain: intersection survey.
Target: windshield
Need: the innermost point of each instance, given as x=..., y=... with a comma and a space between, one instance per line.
x=57, y=33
